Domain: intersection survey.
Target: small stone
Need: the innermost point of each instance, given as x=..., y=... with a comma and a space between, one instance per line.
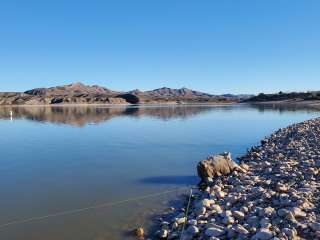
x=139, y=232
x=216, y=208
x=265, y=223
x=193, y=230
x=220, y=194
x=193, y=222
x=214, y=232
x=290, y=233
x=200, y=210
x=163, y=233
x=269, y=211
x=227, y=220
x=175, y=225
x=180, y=220
x=244, y=209
x=282, y=212
x=297, y=212
x=240, y=229
x=315, y=226
x=207, y=202
x=263, y=234
x=231, y=233
x=238, y=215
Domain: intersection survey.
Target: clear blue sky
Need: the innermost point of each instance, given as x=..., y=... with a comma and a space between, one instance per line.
x=217, y=46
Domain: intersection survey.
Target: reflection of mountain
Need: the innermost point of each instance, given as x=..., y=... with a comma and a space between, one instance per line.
x=82, y=115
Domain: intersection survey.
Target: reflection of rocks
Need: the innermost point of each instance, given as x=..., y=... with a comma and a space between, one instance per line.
x=81, y=115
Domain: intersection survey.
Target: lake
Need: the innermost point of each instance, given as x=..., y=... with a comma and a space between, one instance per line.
x=57, y=159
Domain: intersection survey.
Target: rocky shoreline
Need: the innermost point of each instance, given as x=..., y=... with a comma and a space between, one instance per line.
x=274, y=193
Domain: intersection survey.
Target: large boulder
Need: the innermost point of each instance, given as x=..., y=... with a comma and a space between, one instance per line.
x=216, y=165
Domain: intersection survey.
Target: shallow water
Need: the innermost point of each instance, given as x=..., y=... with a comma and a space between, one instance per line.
x=54, y=159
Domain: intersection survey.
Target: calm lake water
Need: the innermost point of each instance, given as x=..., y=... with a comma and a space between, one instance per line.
x=55, y=159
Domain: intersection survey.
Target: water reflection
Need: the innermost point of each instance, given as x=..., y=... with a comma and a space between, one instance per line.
x=82, y=115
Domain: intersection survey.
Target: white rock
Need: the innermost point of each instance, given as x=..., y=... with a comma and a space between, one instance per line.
x=240, y=229
x=163, y=233
x=180, y=220
x=238, y=215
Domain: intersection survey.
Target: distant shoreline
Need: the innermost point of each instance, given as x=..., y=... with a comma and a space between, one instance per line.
x=301, y=103
x=121, y=104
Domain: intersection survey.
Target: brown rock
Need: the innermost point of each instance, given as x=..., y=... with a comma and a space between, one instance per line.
x=217, y=165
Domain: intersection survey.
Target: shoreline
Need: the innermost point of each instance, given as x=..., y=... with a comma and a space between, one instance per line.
x=122, y=105
x=297, y=103
x=276, y=195
x=311, y=104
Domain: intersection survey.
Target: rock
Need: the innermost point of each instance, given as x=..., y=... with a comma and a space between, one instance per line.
x=215, y=231
x=193, y=222
x=163, y=233
x=238, y=215
x=216, y=208
x=240, y=229
x=193, y=230
x=200, y=210
x=253, y=221
x=297, y=212
x=282, y=212
x=265, y=223
x=315, y=226
x=180, y=220
x=217, y=165
x=207, y=202
x=263, y=234
x=220, y=194
x=227, y=220
x=231, y=233
x=269, y=211
x=290, y=233
x=139, y=232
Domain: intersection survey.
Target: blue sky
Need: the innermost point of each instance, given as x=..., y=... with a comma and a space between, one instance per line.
x=214, y=46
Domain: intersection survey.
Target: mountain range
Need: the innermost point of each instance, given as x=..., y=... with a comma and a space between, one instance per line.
x=79, y=93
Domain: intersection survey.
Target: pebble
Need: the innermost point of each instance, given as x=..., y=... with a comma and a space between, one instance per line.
x=214, y=232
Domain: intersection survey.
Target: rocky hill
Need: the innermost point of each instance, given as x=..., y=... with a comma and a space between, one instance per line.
x=72, y=89
x=78, y=93
x=281, y=96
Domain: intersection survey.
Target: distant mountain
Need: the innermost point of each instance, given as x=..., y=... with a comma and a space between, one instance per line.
x=78, y=93
x=71, y=89
x=285, y=97
x=172, y=93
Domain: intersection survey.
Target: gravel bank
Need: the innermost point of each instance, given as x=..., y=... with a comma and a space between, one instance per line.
x=275, y=197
